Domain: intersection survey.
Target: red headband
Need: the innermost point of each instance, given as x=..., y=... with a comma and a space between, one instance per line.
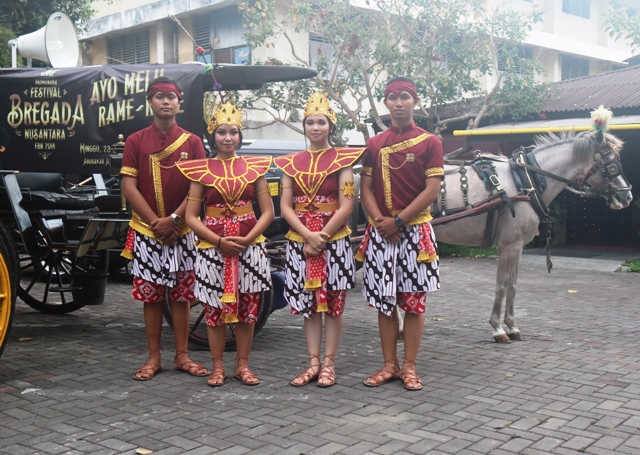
x=399, y=86
x=164, y=87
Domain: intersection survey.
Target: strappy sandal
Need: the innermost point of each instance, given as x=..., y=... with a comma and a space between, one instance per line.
x=148, y=368
x=218, y=376
x=307, y=376
x=328, y=372
x=189, y=366
x=411, y=377
x=383, y=376
x=245, y=375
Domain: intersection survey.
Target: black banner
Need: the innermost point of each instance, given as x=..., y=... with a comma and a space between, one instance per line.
x=67, y=120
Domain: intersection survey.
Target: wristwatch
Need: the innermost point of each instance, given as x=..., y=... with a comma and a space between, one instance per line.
x=399, y=221
x=177, y=220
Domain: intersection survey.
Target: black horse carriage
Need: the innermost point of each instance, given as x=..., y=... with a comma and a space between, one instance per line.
x=61, y=139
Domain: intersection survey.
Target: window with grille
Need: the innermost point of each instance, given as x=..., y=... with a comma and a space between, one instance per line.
x=321, y=53
x=202, y=35
x=240, y=55
x=319, y=47
x=132, y=48
x=631, y=12
x=220, y=34
x=523, y=52
x=580, y=8
x=574, y=67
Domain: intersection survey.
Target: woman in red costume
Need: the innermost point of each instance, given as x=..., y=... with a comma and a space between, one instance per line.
x=316, y=201
x=232, y=269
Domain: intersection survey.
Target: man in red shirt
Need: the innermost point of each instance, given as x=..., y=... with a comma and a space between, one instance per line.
x=401, y=173
x=160, y=244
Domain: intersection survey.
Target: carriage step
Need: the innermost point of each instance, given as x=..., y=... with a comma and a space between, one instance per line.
x=59, y=289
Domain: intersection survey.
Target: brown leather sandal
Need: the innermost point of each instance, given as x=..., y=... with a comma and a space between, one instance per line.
x=218, y=376
x=190, y=367
x=328, y=372
x=244, y=374
x=411, y=377
x=383, y=376
x=308, y=375
x=148, y=368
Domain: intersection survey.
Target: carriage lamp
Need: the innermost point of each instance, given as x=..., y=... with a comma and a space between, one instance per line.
x=115, y=164
x=115, y=160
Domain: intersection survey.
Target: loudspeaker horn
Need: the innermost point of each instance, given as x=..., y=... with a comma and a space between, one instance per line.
x=56, y=43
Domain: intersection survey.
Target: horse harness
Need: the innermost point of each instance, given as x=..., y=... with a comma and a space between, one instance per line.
x=530, y=180
x=497, y=199
x=522, y=165
x=531, y=185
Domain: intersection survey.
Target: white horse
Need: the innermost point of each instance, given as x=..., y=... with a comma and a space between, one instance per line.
x=590, y=158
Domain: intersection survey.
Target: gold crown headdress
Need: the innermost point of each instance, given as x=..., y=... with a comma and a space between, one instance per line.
x=319, y=104
x=227, y=114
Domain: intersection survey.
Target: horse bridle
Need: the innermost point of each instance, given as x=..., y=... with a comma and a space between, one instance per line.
x=605, y=161
x=608, y=164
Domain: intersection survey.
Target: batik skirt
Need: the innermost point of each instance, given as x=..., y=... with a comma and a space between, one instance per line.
x=254, y=274
x=390, y=268
x=341, y=272
x=158, y=263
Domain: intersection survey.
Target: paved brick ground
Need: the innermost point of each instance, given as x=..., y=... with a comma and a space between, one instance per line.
x=573, y=386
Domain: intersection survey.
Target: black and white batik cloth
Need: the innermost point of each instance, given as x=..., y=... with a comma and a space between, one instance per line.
x=341, y=273
x=158, y=263
x=390, y=268
x=254, y=274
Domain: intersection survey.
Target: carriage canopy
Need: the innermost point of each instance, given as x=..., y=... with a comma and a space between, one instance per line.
x=67, y=120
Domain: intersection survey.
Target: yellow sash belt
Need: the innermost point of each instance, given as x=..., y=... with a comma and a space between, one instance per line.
x=223, y=213
x=140, y=226
x=311, y=207
x=218, y=212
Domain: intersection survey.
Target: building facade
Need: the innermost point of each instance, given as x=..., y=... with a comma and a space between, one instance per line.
x=570, y=41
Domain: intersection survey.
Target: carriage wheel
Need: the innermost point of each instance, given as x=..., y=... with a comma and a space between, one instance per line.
x=45, y=281
x=198, y=325
x=8, y=270
x=44, y=278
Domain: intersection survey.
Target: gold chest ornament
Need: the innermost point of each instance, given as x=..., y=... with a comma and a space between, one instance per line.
x=408, y=158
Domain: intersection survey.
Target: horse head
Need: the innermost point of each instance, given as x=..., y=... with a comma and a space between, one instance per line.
x=605, y=175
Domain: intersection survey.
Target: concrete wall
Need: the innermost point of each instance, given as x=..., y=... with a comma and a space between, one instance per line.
x=94, y=52
x=125, y=14
x=185, y=45
x=107, y=7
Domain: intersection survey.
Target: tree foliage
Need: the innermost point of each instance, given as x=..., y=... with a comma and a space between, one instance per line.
x=5, y=54
x=622, y=25
x=447, y=46
x=19, y=17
